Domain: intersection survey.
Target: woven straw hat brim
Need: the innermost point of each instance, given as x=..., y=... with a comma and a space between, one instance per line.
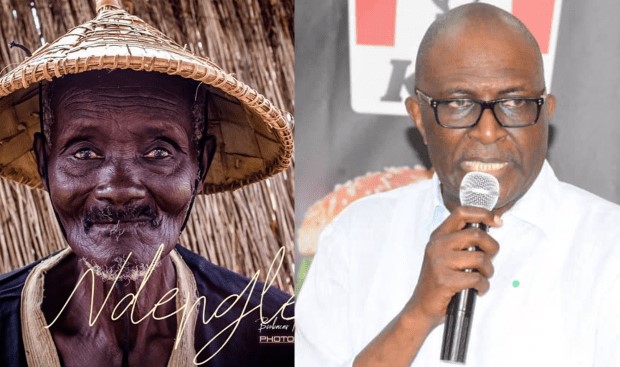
x=255, y=138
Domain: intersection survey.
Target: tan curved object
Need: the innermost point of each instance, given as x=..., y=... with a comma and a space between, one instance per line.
x=321, y=213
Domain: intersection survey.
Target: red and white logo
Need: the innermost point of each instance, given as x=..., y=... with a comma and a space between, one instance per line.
x=384, y=36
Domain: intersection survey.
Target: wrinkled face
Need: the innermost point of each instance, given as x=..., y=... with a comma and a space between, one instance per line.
x=483, y=65
x=122, y=165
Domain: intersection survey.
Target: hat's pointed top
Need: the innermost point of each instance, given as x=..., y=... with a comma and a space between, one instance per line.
x=108, y=5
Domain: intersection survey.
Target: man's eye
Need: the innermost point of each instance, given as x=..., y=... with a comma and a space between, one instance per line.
x=460, y=104
x=158, y=153
x=86, y=153
x=514, y=103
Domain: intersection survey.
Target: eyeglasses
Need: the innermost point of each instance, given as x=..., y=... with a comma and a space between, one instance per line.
x=460, y=113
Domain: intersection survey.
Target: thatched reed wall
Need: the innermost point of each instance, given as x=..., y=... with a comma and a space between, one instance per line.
x=241, y=230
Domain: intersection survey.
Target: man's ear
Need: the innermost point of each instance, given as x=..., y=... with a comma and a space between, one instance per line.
x=38, y=146
x=208, y=152
x=413, y=108
x=550, y=103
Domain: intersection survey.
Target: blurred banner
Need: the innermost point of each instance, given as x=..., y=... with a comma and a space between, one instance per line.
x=384, y=37
x=354, y=68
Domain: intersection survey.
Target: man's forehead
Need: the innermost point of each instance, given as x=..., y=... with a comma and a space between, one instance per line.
x=99, y=99
x=95, y=127
x=498, y=61
x=477, y=30
x=95, y=104
x=124, y=83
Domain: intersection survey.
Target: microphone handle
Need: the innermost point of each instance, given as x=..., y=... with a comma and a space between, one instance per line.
x=459, y=317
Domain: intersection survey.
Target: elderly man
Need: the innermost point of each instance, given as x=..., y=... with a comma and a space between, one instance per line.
x=547, y=271
x=123, y=153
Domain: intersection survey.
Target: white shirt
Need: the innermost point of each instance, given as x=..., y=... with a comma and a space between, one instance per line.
x=554, y=299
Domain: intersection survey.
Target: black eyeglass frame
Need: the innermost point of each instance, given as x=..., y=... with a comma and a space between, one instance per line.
x=434, y=103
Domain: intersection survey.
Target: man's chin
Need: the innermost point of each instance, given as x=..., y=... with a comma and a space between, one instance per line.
x=119, y=269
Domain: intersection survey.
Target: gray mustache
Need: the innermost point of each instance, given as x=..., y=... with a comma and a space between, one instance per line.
x=113, y=215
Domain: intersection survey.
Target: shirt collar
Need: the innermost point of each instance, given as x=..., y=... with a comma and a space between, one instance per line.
x=37, y=337
x=532, y=208
x=440, y=212
x=535, y=205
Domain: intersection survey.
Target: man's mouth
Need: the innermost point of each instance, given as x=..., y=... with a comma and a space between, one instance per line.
x=120, y=222
x=121, y=218
x=478, y=166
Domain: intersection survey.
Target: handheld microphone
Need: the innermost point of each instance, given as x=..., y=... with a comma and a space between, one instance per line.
x=480, y=190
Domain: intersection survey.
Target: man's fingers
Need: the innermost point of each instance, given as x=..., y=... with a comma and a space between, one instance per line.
x=464, y=280
x=448, y=256
x=478, y=238
x=475, y=260
x=479, y=282
x=463, y=240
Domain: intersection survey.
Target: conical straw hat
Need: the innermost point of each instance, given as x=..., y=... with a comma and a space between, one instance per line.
x=254, y=138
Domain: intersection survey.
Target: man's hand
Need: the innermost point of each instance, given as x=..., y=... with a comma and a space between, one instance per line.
x=446, y=257
x=442, y=275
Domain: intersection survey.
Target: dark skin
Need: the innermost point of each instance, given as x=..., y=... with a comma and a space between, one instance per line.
x=478, y=57
x=120, y=140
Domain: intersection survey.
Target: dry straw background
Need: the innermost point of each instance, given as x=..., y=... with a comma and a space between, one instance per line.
x=240, y=230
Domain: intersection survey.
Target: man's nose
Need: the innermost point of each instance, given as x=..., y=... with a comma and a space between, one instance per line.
x=488, y=130
x=119, y=184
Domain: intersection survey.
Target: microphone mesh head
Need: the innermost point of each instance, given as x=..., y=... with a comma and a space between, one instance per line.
x=479, y=189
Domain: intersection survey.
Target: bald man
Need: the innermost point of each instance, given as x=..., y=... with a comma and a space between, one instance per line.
x=547, y=272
